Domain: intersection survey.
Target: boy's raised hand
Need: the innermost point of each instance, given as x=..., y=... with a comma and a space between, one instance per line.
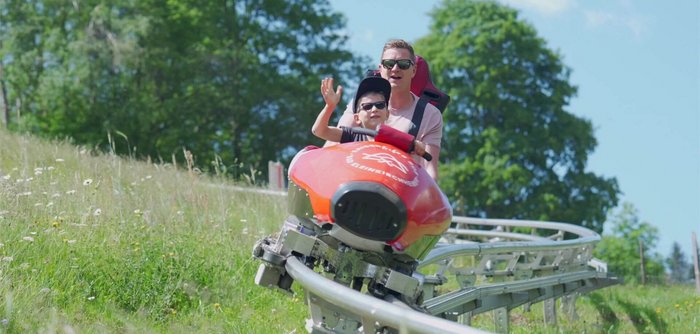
x=332, y=98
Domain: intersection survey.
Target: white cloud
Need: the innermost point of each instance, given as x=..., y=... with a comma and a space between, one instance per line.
x=602, y=19
x=547, y=7
x=368, y=35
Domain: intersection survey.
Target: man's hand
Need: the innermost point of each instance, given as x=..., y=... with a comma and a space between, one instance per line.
x=419, y=147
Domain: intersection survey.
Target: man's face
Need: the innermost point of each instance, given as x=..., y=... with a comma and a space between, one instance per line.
x=400, y=79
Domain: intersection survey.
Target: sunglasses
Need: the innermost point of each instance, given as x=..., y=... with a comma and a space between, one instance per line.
x=368, y=106
x=404, y=64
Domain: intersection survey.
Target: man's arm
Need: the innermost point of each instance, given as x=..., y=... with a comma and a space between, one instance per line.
x=432, y=166
x=432, y=137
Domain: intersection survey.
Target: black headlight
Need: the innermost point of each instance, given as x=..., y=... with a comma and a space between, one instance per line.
x=369, y=210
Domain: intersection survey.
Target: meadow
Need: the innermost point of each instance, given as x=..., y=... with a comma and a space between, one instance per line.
x=92, y=242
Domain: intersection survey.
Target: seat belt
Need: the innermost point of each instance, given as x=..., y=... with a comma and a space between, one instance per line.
x=417, y=116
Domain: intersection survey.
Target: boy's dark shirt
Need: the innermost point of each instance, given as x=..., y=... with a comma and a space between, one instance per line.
x=348, y=136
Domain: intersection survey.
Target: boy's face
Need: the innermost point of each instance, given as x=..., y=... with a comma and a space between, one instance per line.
x=372, y=118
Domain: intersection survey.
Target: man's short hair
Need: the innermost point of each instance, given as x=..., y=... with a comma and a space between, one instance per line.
x=400, y=44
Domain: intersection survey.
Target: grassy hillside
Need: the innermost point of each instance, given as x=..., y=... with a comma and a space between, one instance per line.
x=94, y=243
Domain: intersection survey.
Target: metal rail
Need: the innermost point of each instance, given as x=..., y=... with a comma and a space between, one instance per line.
x=372, y=311
x=481, y=265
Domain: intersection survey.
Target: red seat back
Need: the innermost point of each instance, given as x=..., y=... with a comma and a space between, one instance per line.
x=423, y=86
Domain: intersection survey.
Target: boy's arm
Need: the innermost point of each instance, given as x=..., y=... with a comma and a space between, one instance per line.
x=320, y=128
x=346, y=120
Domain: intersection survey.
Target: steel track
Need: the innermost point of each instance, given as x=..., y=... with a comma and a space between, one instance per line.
x=480, y=265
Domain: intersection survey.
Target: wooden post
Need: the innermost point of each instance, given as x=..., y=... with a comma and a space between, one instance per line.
x=641, y=261
x=275, y=172
x=695, y=261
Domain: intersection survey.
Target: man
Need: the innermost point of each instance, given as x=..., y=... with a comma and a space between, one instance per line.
x=397, y=65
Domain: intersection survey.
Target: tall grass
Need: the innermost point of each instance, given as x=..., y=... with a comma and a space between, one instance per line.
x=94, y=243
x=618, y=309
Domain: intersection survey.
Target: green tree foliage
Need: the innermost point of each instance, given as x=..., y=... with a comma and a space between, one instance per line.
x=511, y=149
x=233, y=79
x=678, y=266
x=620, y=250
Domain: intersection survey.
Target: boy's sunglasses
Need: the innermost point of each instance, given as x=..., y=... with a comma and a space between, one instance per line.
x=368, y=106
x=404, y=64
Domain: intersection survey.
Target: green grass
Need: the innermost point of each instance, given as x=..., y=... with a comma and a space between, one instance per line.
x=616, y=309
x=94, y=243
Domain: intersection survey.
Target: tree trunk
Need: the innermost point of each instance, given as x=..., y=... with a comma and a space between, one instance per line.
x=4, y=108
x=695, y=262
x=641, y=261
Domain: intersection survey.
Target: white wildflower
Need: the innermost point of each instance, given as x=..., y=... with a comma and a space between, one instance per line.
x=148, y=177
x=245, y=230
x=27, y=193
x=38, y=204
x=70, y=192
x=87, y=182
x=91, y=298
x=179, y=212
x=49, y=204
x=244, y=220
x=38, y=172
x=30, y=239
x=6, y=177
x=56, y=195
x=59, y=160
x=50, y=168
x=72, y=241
x=97, y=212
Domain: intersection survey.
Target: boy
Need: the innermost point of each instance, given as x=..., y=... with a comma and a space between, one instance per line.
x=370, y=110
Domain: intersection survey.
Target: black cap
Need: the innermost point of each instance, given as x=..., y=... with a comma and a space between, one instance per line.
x=372, y=84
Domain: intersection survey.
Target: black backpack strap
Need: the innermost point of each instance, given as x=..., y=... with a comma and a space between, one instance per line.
x=417, y=116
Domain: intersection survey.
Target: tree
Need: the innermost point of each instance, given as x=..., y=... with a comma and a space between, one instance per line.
x=511, y=150
x=677, y=265
x=620, y=249
x=232, y=81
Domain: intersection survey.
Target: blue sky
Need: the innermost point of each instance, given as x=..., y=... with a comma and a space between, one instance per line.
x=637, y=67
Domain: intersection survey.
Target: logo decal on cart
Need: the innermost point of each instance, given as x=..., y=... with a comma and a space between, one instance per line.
x=386, y=163
x=387, y=159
